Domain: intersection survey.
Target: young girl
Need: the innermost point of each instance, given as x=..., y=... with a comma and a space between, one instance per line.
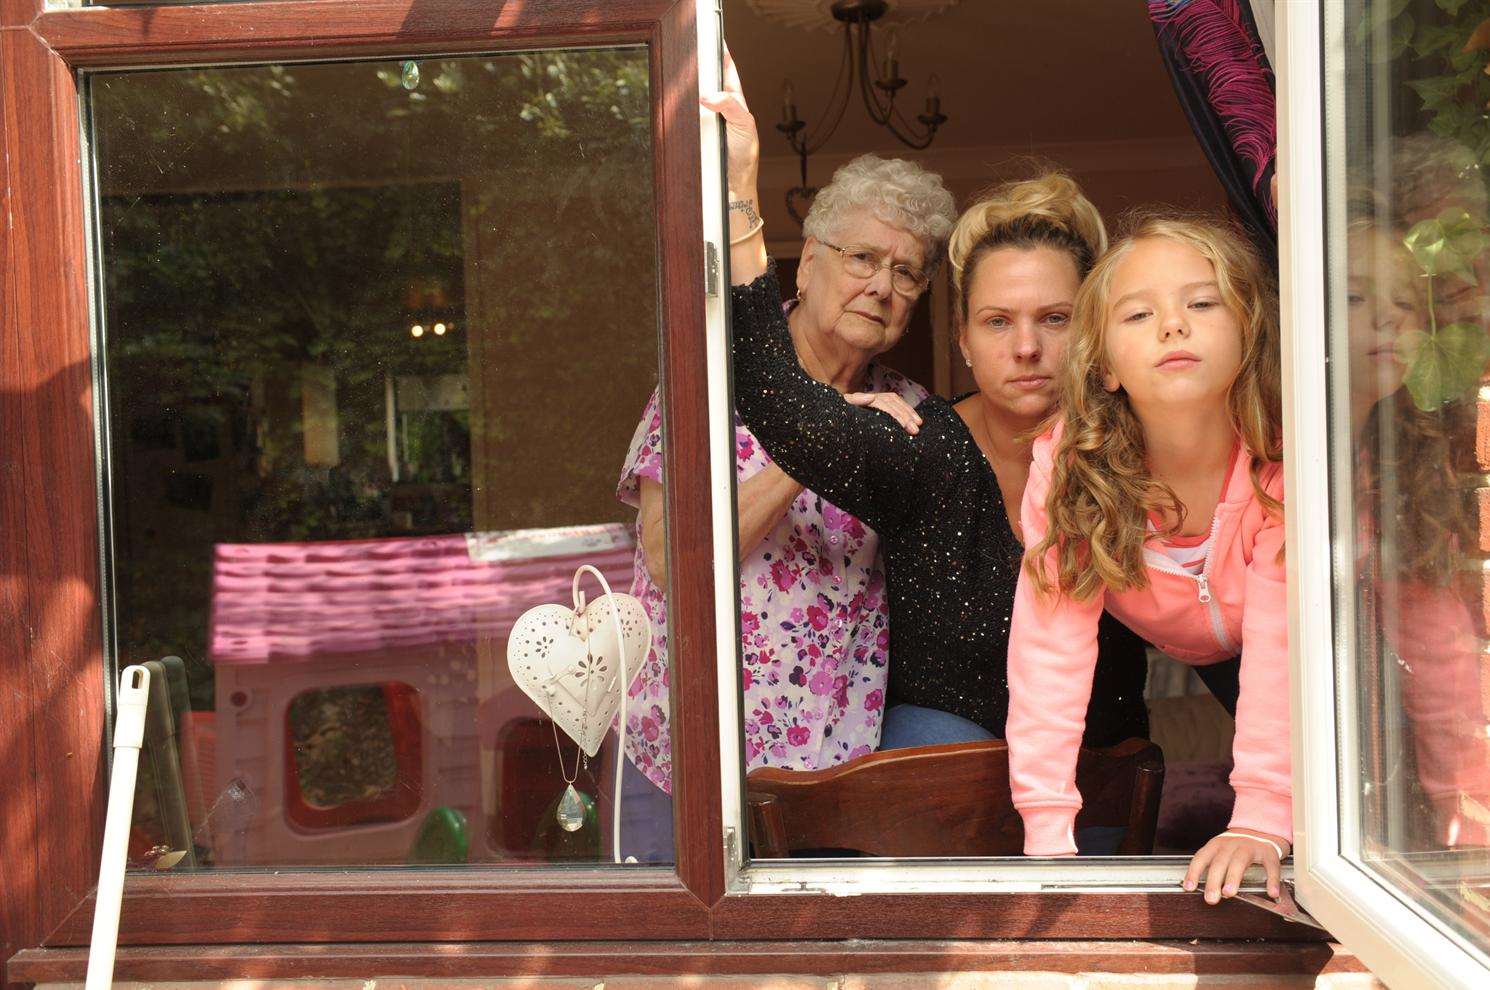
x=1159, y=497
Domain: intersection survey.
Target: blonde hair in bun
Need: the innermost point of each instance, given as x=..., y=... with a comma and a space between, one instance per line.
x=1049, y=209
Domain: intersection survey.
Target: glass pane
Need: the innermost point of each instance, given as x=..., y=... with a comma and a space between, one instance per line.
x=376, y=337
x=1409, y=343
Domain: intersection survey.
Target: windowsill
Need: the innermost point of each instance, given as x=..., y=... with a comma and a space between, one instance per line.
x=496, y=959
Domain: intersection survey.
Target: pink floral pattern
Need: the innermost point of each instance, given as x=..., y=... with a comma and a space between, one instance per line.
x=814, y=623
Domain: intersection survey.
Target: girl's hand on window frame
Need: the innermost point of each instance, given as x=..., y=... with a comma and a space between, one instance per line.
x=1223, y=861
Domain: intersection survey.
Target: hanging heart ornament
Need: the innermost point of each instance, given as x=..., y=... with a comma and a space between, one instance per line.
x=568, y=660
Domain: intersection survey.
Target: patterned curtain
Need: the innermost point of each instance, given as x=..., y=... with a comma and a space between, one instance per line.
x=1224, y=83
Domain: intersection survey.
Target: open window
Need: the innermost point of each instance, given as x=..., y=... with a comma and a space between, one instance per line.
x=819, y=687
x=1384, y=294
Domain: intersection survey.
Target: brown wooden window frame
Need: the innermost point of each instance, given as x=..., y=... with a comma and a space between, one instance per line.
x=54, y=700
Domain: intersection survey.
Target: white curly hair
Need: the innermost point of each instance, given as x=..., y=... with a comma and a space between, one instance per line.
x=1430, y=172
x=893, y=191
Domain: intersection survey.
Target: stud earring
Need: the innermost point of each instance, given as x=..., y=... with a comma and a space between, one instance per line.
x=968, y=362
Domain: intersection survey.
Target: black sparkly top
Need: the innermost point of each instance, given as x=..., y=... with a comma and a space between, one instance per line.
x=951, y=560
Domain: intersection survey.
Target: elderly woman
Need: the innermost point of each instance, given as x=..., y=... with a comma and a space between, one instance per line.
x=813, y=612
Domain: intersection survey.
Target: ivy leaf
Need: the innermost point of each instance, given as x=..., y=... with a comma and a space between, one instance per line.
x=1436, y=89
x=1467, y=62
x=1438, y=38
x=1452, y=6
x=1374, y=19
x=1447, y=244
x=1402, y=29
x=1445, y=365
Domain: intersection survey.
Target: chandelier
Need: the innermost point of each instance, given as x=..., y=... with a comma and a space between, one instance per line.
x=877, y=80
x=819, y=13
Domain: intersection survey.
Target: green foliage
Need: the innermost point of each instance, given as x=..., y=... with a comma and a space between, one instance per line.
x=1441, y=40
x=1443, y=364
x=1445, y=50
x=1448, y=244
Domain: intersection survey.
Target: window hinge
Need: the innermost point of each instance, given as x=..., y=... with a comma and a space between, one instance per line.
x=711, y=268
x=731, y=845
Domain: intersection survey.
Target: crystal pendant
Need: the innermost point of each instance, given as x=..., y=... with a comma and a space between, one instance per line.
x=571, y=813
x=410, y=75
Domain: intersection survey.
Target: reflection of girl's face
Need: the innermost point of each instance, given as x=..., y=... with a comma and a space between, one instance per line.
x=1382, y=305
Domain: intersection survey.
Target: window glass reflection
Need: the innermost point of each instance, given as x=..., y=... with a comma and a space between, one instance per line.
x=1409, y=353
x=370, y=375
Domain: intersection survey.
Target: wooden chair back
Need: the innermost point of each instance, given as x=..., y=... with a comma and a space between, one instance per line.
x=949, y=800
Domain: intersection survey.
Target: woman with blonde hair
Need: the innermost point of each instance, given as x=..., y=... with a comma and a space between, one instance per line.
x=1158, y=497
x=935, y=481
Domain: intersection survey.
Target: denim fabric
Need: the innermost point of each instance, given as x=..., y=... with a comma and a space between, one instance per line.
x=913, y=725
x=646, y=818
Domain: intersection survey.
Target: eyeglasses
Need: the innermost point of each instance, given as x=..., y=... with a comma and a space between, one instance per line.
x=861, y=263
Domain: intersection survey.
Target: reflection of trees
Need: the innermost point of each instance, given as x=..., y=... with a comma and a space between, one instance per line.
x=258, y=221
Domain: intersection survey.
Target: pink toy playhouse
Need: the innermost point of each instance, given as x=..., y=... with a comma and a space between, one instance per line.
x=421, y=625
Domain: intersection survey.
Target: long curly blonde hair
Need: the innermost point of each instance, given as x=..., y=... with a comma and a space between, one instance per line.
x=1048, y=209
x=1101, y=491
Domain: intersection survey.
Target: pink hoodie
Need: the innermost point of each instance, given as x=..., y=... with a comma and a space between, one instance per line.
x=1238, y=598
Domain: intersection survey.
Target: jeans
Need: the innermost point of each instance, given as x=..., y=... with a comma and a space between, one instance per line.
x=912, y=725
x=646, y=818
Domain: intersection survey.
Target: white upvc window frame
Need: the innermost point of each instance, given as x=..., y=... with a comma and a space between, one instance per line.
x=710, y=20
x=1396, y=937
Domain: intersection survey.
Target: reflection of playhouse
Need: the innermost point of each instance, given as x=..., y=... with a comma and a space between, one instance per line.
x=422, y=620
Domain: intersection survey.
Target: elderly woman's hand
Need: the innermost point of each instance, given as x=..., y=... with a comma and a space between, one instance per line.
x=743, y=141
x=891, y=405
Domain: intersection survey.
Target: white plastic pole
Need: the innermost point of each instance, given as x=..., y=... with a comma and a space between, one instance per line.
x=129, y=733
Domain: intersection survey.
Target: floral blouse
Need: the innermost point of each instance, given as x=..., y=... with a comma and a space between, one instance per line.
x=814, y=622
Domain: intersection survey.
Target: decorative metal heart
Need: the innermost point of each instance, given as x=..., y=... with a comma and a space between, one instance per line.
x=569, y=662
x=799, y=202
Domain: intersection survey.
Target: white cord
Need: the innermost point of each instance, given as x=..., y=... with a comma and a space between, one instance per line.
x=129, y=734
x=615, y=614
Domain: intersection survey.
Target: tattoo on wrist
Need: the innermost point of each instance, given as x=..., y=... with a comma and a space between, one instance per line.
x=745, y=208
